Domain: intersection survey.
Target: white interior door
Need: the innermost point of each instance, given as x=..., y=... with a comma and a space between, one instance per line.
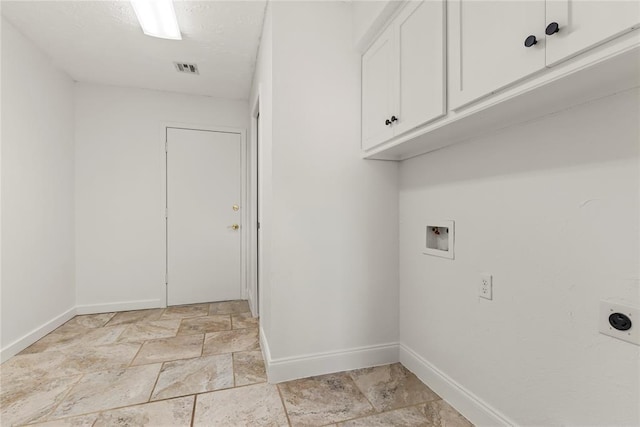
x=203, y=186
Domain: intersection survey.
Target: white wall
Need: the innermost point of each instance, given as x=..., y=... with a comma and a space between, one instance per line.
x=551, y=209
x=332, y=222
x=120, y=225
x=262, y=90
x=368, y=19
x=37, y=193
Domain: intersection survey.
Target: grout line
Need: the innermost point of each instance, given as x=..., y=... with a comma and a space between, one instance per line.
x=155, y=383
x=415, y=405
x=233, y=368
x=46, y=417
x=193, y=411
x=180, y=396
x=120, y=335
x=227, y=389
x=348, y=373
x=146, y=403
x=109, y=320
x=179, y=327
x=284, y=407
x=101, y=411
x=179, y=359
x=136, y=355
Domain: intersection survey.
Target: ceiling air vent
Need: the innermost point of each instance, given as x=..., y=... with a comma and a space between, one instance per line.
x=186, y=68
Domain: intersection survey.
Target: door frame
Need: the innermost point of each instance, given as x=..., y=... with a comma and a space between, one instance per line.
x=255, y=251
x=245, y=204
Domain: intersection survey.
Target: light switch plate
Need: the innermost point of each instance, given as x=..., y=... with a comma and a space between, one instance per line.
x=607, y=308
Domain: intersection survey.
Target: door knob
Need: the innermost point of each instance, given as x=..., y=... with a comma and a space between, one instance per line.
x=235, y=227
x=235, y=208
x=530, y=41
x=387, y=122
x=552, y=29
x=394, y=119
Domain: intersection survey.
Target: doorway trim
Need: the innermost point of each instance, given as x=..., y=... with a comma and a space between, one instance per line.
x=254, y=178
x=246, y=206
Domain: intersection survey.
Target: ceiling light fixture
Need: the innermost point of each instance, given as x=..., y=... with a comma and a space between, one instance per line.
x=157, y=18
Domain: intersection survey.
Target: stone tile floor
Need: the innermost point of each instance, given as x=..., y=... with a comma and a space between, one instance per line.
x=195, y=365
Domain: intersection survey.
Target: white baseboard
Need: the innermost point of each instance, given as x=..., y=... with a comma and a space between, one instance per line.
x=119, y=306
x=291, y=368
x=21, y=343
x=464, y=401
x=266, y=353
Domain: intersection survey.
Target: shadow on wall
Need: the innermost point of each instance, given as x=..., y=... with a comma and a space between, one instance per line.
x=547, y=147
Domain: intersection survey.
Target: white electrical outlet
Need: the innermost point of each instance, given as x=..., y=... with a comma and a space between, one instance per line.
x=485, y=287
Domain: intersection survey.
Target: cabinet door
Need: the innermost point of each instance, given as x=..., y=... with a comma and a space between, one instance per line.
x=486, y=45
x=420, y=45
x=584, y=24
x=378, y=90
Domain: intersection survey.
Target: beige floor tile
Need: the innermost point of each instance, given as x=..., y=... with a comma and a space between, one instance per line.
x=150, y=330
x=392, y=386
x=191, y=376
x=244, y=320
x=173, y=413
x=166, y=349
x=79, y=421
x=441, y=414
x=103, y=390
x=184, y=311
x=35, y=366
x=249, y=368
x=406, y=417
x=254, y=405
x=128, y=317
x=229, y=307
x=203, y=325
x=89, y=321
x=231, y=341
x=102, y=357
x=323, y=400
x=31, y=401
x=56, y=364
x=80, y=376
x=69, y=340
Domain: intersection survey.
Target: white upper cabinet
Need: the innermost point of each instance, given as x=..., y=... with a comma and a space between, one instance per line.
x=487, y=48
x=378, y=91
x=421, y=56
x=573, y=26
x=403, y=74
x=444, y=71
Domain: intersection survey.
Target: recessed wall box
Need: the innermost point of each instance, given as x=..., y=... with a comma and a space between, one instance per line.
x=439, y=239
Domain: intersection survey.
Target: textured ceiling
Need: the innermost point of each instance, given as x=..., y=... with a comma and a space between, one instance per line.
x=102, y=42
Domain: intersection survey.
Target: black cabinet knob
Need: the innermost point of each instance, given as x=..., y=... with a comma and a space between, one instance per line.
x=394, y=119
x=387, y=122
x=552, y=29
x=530, y=41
